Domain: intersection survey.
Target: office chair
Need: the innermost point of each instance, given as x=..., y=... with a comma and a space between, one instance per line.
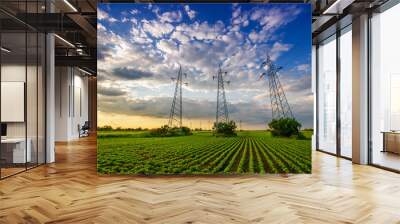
x=84, y=130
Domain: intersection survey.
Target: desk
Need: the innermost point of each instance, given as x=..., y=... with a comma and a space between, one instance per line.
x=391, y=141
x=16, y=147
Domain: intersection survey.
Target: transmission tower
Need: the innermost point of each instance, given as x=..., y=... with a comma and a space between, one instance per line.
x=279, y=104
x=175, y=116
x=222, y=108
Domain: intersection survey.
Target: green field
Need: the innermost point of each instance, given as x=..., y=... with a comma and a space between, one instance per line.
x=134, y=152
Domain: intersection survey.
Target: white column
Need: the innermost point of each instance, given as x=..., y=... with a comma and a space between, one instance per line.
x=360, y=90
x=50, y=101
x=314, y=91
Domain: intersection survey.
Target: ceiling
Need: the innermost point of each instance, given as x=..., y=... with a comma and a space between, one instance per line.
x=74, y=22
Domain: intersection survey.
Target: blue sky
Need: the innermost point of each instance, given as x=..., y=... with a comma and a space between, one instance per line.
x=140, y=47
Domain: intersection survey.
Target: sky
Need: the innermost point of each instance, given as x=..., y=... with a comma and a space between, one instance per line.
x=140, y=48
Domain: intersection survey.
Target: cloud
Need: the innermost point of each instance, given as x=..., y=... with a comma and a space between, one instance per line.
x=157, y=29
x=102, y=15
x=134, y=11
x=139, y=35
x=193, y=109
x=251, y=112
x=167, y=46
x=110, y=91
x=270, y=20
x=303, y=67
x=202, y=31
x=138, y=59
x=236, y=12
x=155, y=107
x=261, y=36
x=189, y=12
x=131, y=73
x=278, y=48
x=296, y=84
x=239, y=18
x=180, y=36
x=173, y=16
x=100, y=27
x=104, y=50
x=275, y=17
x=112, y=20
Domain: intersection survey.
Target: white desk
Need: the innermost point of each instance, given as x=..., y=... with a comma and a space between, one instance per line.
x=19, y=154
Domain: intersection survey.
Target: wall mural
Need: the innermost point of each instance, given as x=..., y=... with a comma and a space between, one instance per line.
x=204, y=89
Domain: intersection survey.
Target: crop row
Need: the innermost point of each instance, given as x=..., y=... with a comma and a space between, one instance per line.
x=203, y=155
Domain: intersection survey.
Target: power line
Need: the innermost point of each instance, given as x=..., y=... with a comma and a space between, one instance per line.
x=222, y=108
x=175, y=116
x=279, y=104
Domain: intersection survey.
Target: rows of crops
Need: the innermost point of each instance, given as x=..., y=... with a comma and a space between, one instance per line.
x=204, y=154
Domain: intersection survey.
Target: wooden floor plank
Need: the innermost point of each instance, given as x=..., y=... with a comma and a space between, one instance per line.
x=70, y=191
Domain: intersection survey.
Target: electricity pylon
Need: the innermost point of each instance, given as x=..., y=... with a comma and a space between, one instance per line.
x=279, y=104
x=222, y=108
x=175, y=116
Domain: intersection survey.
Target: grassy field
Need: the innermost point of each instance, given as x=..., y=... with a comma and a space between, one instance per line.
x=134, y=152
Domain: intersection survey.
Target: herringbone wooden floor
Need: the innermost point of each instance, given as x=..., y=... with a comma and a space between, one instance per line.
x=70, y=191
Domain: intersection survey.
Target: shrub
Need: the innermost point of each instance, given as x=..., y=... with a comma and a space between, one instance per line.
x=301, y=136
x=105, y=128
x=285, y=127
x=185, y=131
x=109, y=128
x=225, y=129
x=166, y=131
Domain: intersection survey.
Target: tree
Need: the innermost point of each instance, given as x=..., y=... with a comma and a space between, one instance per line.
x=225, y=129
x=284, y=127
x=166, y=131
x=105, y=128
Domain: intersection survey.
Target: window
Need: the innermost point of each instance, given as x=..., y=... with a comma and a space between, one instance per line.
x=385, y=89
x=327, y=95
x=346, y=92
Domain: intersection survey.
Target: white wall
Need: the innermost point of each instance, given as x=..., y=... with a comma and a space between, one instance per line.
x=33, y=126
x=12, y=73
x=80, y=115
x=17, y=73
x=62, y=81
x=70, y=84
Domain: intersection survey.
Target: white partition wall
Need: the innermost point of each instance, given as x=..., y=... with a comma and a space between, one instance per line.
x=22, y=102
x=14, y=142
x=23, y=88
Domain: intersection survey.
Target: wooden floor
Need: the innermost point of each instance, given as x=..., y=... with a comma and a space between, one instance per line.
x=5, y=172
x=70, y=191
x=387, y=159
